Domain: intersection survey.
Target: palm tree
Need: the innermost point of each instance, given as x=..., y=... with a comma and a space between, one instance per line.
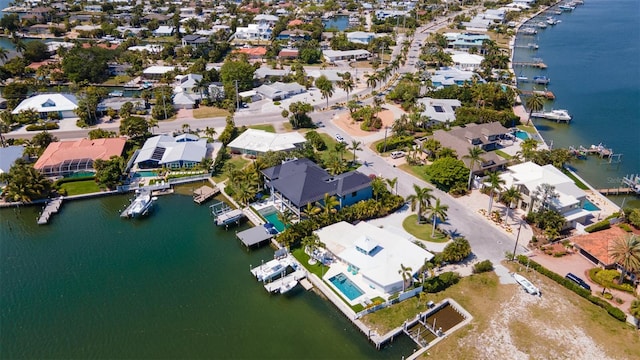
x=346, y=83
x=329, y=204
x=325, y=86
x=405, y=271
x=474, y=157
x=4, y=54
x=420, y=200
x=355, y=146
x=509, y=197
x=310, y=211
x=393, y=183
x=495, y=182
x=200, y=86
x=438, y=212
x=625, y=251
x=286, y=218
x=372, y=81
x=534, y=103
x=527, y=148
x=310, y=244
x=210, y=132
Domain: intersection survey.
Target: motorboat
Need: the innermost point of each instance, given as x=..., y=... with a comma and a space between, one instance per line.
x=140, y=205
x=557, y=115
x=553, y=21
x=288, y=286
x=526, y=284
x=541, y=80
x=528, y=31
x=566, y=7
x=271, y=269
x=522, y=79
x=541, y=25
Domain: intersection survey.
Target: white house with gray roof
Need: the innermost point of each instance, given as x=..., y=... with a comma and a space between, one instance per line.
x=440, y=111
x=301, y=181
x=279, y=90
x=186, y=150
x=255, y=142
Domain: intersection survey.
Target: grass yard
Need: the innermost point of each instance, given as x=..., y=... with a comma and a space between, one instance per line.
x=422, y=231
x=503, y=155
x=415, y=170
x=528, y=128
x=236, y=160
x=81, y=187
x=331, y=145
x=209, y=112
x=264, y=127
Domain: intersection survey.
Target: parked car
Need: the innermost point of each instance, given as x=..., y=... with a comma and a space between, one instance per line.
x=397, y=154
x=339, y=138
x=320, y=124
x=578, y=281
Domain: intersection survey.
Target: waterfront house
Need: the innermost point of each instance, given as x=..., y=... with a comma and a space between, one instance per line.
x=61, y=104
x=465, y=41
x=194, y=41
x=182, y=100
x=374, y=255
x=439, y=111
x=466, y=61
x=67, y=157
x=449, y=76
x=186, y=150
x=156, y=72
x=257, y=142
x=187, y=83
x=300, y=182
x=116, y=104
x=595, y=246
x=294, y=35
x=569, y=199
x=360, y=37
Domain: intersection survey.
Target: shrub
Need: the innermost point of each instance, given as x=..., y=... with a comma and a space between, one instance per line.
x=634, y=217
x=394, y=143
x=601, y=225
x=608, y=296
x=618, y=300
x=617, y=313
x=46, y=126
x=626, y=227
x=607, y=278
x=456, y=250
x=276, y=103
x=483, y=266
x=441, y=282
x=559, y=254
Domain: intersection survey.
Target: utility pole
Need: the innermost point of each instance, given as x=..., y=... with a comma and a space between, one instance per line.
x=385, y=138
x=517, y=238
x=237, y=98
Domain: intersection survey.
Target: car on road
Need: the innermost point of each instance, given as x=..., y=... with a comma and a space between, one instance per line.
x=339, y=138
x=397, y=154
x=320, y=124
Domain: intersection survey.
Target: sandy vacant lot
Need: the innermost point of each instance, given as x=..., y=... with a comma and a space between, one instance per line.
x=347, y=124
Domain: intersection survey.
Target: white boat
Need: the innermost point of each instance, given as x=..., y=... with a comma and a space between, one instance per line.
x=116, y=93
x=553, y=21
x=522, y=79
x=541, y=25
x=288, y=286
x=528, y=31
x=271, y=269
x=541, y=80
x=140, y=205
x=566, y=7
x=526, y=284
x=558, y=115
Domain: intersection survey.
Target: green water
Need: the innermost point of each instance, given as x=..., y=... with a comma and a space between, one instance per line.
x=92, y=285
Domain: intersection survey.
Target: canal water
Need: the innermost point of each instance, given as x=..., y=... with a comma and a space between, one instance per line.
x=172, y=285
x=592, y=58
x=339, y=22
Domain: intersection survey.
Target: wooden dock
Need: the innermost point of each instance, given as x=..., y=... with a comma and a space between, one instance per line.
x=547, y=94
x=539, y=65
x=204, y=193
x=617, y=191
x=51, y=208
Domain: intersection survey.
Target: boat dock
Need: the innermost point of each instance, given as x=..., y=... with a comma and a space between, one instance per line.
x=630, y=185
x=255, y=235
x=278, y=284
x=599, y=150
x=51, y=208
x=547, y=94
x=204, y=193
x=225, y=215
x=539, y=65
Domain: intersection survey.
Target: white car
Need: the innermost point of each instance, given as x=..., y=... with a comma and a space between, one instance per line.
x=339, y=138
x=397, y=154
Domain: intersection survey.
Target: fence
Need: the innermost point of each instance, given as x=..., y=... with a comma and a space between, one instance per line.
x=402, y=297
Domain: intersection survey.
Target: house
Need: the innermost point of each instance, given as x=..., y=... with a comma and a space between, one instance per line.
x=568, y=200
x=116, y=103
x=447, y=76
x=288, y=54
x=8, y=157
x=186, y=150
x=256, y=142
x=465, y=41
x=279, y=90
x=300, y=182
x=61, y=104
x=194, y=40
x=440, y=111
x=336, y=55
x=156, y=72
x=485, y=136
x=116, y=69
x=163, y=30
x=294, y=35
x=188, y=83
x=466, y=61
x=44, y=29
x=253, y=32
x=183, y=100
x=150, y=48
x=374, y=255
x=254, y=53
x=595, y=246
x=68, y=157
x=360, y=37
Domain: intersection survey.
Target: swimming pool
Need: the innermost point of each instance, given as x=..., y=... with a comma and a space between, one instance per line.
x=145, y=174
x=523, y=135
x=270, y=214
x=589, y=206
x=346, y=286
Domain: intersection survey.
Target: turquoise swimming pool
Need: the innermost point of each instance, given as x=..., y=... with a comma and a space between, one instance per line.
x=346, y=286
x=273, y=218
x=589, y=206
x=523, y=135
x=145, y=174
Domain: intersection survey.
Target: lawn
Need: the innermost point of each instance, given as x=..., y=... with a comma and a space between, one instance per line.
x=503, y=154
x=209, y=112
x=331, y=145
x=577, y=181
x=415, y=170
x=528, y=128
x=81, y=187
x=422, y=231
x=264, y=127
x=236, y=160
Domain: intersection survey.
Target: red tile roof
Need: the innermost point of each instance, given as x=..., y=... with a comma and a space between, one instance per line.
x=296, y=22
x=597, y=243
x=108, y=46
x=58, y=152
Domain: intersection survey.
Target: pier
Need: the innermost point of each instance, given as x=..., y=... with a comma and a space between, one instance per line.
x=204, y=193
x=278, y=284
x=539, y=65
x=547, y=94
x=51, y=208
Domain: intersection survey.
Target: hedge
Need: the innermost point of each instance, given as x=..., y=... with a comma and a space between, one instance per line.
x=394, y=143
x=601, y=225
x=483, y=266
x=610, y=284
x=47, y=126
x=441, y=282
x=612, y=310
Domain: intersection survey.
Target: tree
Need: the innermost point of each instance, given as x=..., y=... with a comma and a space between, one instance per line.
x=134, y=127
x=527, y=148
x=329, y=204
x=405, y=272
x=457, y=250
x=88, y=101
x=42, y=140
x=286, y=218
x=448, y=173
x=163, y=108
x=420, y=200
x=346, y=83
x=237, y=69
x=325, y=86
x=634, y=310
x=299, y=117
x=355, y=146
x=310, y=211
x=625, y=251
x=495, y=183
x=109, y=172
x=393, y=184
x=15, y=92
x=437, y=212
x=534, y=103
x=510, y=196
x=474, y=157
x=545, y=193
x=101, y=134
x=25, y=184
x=35, y=50
x=310, y=244
x=89, y=64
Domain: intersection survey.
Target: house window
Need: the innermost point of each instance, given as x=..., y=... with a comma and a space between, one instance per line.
x=353, y=194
